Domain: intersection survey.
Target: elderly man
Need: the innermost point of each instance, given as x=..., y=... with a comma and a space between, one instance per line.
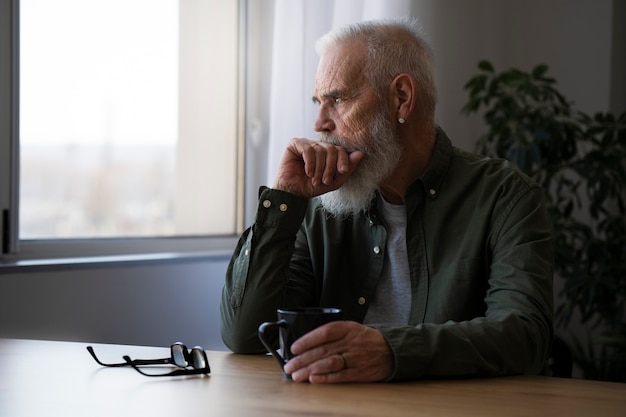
x=440, y=259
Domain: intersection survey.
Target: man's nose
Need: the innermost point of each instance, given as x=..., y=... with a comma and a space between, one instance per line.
x=323, y=123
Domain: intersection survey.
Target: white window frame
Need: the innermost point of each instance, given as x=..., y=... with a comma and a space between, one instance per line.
x=16, y=252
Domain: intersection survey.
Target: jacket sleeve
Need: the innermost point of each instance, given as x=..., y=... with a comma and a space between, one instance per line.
x=515, y=334
x=258, y=275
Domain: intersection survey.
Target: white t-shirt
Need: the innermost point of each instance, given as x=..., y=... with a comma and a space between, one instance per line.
x=392, y=299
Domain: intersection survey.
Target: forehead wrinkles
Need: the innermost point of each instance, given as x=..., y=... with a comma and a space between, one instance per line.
x=340, y=69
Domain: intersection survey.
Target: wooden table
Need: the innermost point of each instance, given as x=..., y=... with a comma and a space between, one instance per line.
x=47, y=379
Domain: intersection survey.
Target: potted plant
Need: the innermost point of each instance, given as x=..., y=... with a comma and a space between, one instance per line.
x=580, y=161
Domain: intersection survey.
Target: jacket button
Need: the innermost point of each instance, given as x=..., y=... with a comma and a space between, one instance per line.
x=376, y=250
x=267, y=203
x=361, y=301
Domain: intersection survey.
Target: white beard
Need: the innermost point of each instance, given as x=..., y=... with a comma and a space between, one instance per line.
x=382, y=154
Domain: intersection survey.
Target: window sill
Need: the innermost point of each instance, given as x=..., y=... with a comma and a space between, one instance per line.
x=89, y=262
x=57, y=264
x=55, y=256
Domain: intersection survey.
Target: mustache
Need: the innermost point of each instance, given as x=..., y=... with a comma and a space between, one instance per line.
x=339, y=141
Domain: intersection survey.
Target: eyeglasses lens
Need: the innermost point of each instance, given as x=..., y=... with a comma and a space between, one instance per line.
x=198, y=358
x=179, y=355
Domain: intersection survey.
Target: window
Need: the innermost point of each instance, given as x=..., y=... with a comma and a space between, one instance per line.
x=128, y=121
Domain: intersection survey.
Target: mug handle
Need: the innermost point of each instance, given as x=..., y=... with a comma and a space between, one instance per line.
x=262, y=336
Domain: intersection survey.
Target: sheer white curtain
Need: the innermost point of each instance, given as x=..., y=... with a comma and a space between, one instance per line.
x=297, y=24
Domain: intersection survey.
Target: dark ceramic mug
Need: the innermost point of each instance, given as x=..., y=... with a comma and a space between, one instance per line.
x=292, y=324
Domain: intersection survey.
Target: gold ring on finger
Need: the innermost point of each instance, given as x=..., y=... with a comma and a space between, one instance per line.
x=343, y=361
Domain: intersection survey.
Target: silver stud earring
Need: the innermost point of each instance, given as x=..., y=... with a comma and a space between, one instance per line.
x=401, y=120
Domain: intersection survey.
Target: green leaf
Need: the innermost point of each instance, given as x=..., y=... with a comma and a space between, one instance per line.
x=539, y=71
x=486, y=66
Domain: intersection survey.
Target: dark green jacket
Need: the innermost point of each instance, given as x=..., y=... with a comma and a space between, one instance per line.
x=480, y=254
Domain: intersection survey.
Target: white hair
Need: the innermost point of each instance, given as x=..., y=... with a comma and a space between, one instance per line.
x=394, y=46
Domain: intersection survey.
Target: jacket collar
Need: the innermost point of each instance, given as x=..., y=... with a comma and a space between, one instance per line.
x=434, y=176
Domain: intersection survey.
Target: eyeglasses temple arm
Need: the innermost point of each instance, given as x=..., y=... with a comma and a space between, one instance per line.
x=133, y=364
x=164, y=361
x=93, y=355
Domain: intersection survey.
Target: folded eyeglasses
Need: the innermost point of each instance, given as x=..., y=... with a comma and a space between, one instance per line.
x=190, y=361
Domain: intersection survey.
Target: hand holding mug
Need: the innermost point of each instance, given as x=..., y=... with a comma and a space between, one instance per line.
x=293, y=324
x=342, y=351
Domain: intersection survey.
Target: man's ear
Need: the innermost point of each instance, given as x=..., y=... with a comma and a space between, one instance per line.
x=403, y=94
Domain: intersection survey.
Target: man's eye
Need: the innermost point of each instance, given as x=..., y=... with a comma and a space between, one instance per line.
x=338, y=100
